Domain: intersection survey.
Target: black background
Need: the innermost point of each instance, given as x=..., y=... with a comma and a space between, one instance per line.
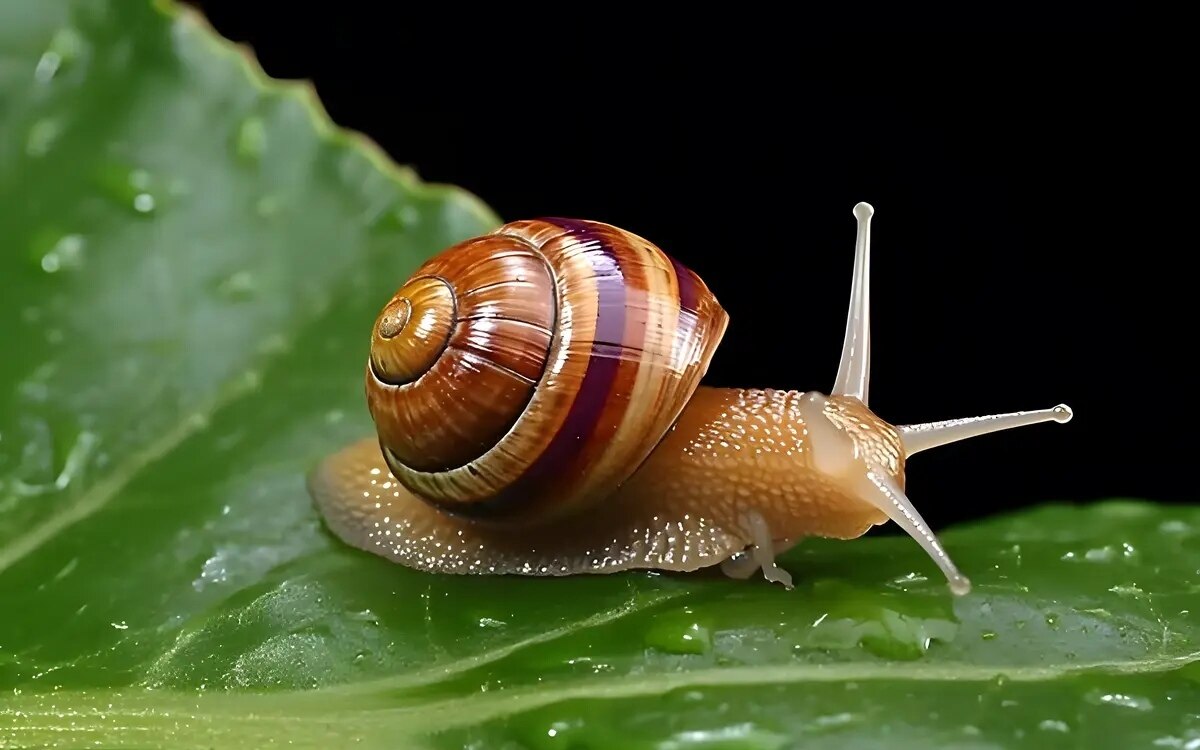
x=1030, y=236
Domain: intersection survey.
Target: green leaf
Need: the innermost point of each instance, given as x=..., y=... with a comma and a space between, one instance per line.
x=191, y=258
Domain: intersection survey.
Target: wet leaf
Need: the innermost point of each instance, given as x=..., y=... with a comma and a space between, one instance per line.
x=191, y=256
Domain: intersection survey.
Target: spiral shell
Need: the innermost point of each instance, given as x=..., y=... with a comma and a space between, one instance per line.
x=529, y=372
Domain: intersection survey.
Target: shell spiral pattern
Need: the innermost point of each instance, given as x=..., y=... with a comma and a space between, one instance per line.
x=527, y=373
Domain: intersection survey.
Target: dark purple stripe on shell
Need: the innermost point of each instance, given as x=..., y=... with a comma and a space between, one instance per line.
x=594, y=392
x=687, y=287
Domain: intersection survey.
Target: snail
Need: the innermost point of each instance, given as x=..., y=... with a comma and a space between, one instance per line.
x=538, y=409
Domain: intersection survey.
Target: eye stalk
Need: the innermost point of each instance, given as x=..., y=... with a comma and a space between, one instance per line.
x=920, y=437
x=836, y=454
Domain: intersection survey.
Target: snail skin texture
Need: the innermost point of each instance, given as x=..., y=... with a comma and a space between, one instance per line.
x=537, y=401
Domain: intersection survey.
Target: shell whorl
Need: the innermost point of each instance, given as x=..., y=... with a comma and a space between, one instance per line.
x=529, y=372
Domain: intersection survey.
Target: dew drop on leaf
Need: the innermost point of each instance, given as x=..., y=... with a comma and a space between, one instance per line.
x=394, y=219
x=1122, y=700
x=1174, y=526
x=679, y=633
x=250, y=140
x=66, y=46
x=43, y=134
x=67, y=254
x=133, y=188
x=143, y=203
x=238, y=286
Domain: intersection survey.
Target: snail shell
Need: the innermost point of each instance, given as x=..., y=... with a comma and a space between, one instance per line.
x=527, y=373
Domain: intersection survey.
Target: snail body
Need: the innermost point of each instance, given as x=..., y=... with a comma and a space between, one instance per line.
x=539, y=410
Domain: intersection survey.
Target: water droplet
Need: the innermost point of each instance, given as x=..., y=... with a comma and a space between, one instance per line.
x=133, y=188
x=395, y=219
x=679, y=633
x=488, y=622
x=65, y=255
x=1052, y=619
x=66, y=46
x=274, y=343
x=67, y=569
x=1131, y=589
x=909, y=580
x=891, y=628
x=249, y=380
x=251, y=139
x=741, y=736
x=76, y=461
x=42, y=136
x=215, y=570
x=238, y=286
x=47, y=66
x=988, y=635
x=1054, y=725
x=364, y=615
x=559, y=730
x=196, y=421
x=835, y=720
x=120, y=625
x=36, y=387
x=360, y=657
x=1124, y=700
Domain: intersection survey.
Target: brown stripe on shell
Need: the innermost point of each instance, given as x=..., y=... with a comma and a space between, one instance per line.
x=564, y=477
x=514, y=345
x=492, y=473
x=466, y=400
x=412, y=330
x=653, y=318
x=458, y=410
x=628, y=410
x=667, y=368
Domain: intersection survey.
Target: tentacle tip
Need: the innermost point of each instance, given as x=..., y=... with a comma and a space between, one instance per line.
x=863, y=211
x=959, y=585
x=1063, y=414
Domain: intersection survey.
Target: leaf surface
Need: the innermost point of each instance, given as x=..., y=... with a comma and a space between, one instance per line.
x=191, y=258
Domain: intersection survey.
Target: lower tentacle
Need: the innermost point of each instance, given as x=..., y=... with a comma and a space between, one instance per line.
x=761, y=553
